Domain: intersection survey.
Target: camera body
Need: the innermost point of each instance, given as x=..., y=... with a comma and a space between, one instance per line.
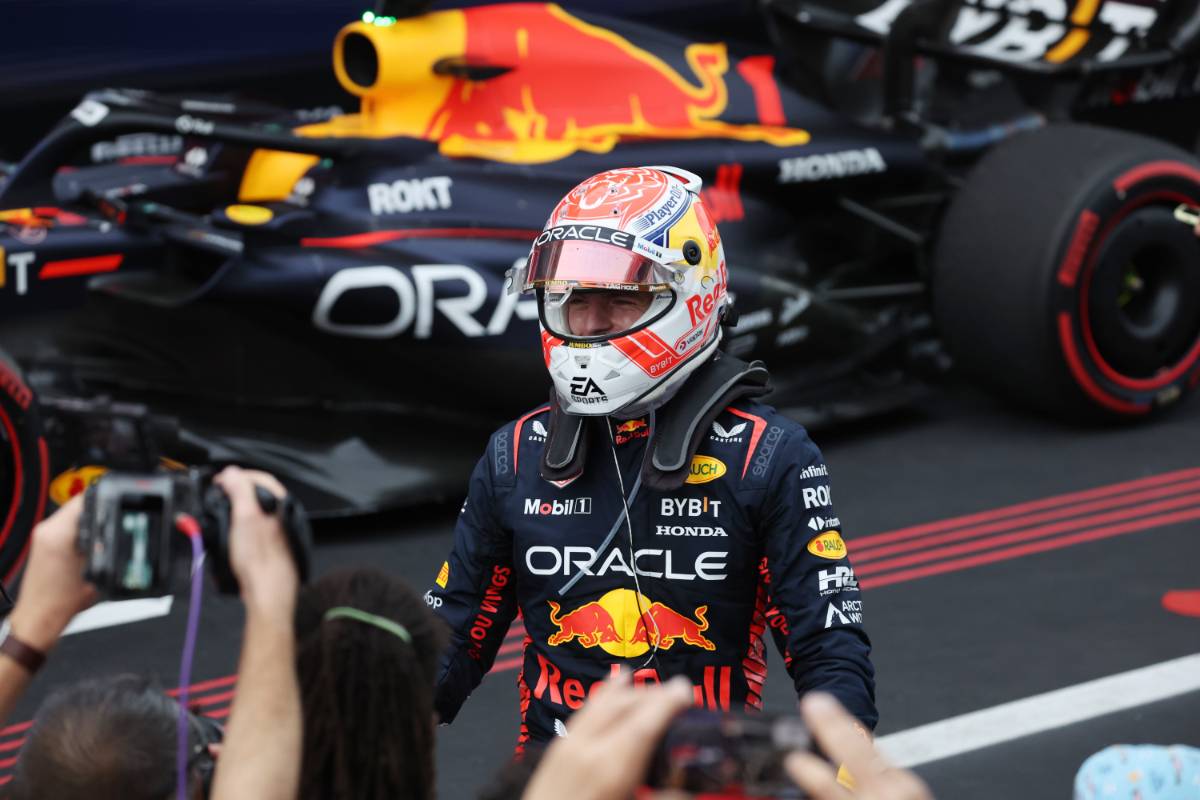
x=729, y=754
x=132, y=547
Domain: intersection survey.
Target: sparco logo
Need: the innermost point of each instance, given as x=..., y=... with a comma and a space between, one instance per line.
x=558, y=508
x=404, y=196
x=824, y=166
x=762, y=459
x=591, y=233
x=501, y=453
x=690, y=530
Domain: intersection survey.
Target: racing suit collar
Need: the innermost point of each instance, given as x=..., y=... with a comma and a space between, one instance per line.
x=683, y=421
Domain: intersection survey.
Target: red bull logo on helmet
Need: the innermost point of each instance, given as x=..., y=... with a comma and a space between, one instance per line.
x=626, y=624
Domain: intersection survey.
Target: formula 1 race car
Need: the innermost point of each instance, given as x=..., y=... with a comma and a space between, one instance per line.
x=900, y=185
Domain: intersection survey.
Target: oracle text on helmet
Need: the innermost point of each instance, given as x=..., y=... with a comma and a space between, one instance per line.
x=421, y=297
x=590, y=233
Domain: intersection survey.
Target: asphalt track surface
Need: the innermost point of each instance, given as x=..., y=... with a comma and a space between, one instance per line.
x=1002, y=556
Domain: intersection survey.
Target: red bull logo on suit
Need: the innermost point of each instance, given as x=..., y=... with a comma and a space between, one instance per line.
x=626, y=624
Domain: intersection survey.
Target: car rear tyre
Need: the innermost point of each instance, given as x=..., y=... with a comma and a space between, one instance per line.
x=24, y=467
x=1063, y=279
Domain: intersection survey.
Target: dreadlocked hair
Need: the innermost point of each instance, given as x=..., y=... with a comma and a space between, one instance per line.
x=367, y=693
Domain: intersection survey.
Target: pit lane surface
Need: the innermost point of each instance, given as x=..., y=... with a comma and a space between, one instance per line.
x=1002, y=557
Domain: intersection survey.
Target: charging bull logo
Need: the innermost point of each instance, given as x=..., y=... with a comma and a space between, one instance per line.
x=591, y=624
x=626, y=624
x=537, y=84
x=663, y=625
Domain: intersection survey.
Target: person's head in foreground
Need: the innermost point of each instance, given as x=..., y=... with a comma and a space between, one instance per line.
x=631, y=283
x=108, y=739
x=366, y=650
x=1140, y=772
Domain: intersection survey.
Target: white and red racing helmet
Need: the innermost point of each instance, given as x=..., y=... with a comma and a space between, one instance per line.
x=636, y=229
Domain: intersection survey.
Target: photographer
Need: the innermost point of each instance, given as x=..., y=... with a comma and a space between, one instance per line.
x=115, y=737
x=260, y=757
x=52, y=592
x=608, y=752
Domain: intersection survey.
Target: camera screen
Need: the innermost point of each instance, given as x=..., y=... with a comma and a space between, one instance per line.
x=138, y=540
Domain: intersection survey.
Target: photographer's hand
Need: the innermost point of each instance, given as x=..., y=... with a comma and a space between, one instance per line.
x=52, y=589
x=835, y=730
x=260, y=756
x=52, y=592
x=609, y=742
x=258, y=549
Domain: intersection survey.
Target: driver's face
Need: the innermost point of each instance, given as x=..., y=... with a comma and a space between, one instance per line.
x=603, y=311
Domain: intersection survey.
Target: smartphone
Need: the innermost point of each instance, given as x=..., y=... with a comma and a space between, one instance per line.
x=732, y=754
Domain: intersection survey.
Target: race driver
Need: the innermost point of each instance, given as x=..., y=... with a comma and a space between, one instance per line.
x=653, y=516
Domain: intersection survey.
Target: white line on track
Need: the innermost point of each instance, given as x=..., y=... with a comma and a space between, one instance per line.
x=1043, y=712
x=119, y=612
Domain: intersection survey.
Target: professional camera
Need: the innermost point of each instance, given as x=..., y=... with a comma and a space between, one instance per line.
x=733, y=754
x=133, y=548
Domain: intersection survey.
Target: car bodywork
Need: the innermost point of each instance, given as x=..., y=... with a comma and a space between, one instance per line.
x=326, y=300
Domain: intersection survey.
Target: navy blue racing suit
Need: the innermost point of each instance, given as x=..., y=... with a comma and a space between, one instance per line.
x=749, y=543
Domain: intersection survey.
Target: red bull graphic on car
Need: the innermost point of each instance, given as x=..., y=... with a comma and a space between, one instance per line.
x=532, y=83
x=626, y=624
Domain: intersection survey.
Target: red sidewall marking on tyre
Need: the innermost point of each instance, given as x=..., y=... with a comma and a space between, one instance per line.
x=18, y=476
x=1066, y=338
x=1155, y=169
x=1133, y=384
x=43, y=493
x=1185, y=603
x=1085, y=228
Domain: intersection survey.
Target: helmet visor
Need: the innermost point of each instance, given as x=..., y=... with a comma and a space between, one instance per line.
x=565, y=263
